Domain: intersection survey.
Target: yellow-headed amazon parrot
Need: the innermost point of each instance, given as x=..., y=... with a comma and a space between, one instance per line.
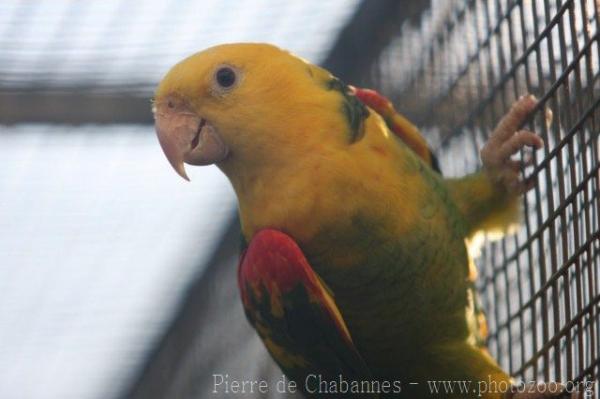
x=355, y=271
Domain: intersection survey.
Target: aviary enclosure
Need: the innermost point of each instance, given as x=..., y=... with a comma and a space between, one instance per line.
x=452, y=66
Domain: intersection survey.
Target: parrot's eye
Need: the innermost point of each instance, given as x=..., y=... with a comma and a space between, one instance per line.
x=225, y=77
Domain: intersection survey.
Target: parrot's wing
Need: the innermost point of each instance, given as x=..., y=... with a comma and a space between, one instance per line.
x=293, y=312
x=398, y=124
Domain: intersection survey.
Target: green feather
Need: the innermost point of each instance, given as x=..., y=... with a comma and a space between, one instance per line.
x=354, y=110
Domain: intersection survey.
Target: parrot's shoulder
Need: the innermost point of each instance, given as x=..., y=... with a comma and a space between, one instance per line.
x=293, y=311
x=398, y=124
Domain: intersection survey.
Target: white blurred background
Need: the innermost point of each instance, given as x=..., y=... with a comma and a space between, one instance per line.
x=99, y=238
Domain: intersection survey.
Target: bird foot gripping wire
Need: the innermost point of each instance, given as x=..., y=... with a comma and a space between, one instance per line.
x=505, y=141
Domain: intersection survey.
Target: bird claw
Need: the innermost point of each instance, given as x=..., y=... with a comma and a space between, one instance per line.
x=505, y=141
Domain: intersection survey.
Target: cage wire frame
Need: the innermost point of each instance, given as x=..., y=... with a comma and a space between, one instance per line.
x=455, y=72
x=454, y=67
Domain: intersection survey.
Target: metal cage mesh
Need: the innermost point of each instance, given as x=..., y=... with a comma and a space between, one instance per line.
x=455, y=73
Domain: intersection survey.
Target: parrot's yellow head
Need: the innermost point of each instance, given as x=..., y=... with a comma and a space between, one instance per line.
x=250, y=105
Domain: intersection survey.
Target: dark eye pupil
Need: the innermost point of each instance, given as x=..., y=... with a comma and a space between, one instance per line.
x=225, y=77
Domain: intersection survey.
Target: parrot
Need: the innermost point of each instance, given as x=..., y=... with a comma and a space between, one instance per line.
x=355, y=268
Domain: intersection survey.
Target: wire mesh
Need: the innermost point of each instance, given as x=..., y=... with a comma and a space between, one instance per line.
x=455, y=73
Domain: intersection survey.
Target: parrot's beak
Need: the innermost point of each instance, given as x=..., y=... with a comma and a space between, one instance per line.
x=186, y=137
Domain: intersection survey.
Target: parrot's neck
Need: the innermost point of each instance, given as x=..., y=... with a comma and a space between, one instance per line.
x=282, y=197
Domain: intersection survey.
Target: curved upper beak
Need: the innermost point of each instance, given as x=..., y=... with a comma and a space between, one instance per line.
x=185, y=136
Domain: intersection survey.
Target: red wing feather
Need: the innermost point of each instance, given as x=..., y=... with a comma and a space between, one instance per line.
x=293, y=312
x=398, y=124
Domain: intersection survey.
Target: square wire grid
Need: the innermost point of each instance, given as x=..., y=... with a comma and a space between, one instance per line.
x=455, y=73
